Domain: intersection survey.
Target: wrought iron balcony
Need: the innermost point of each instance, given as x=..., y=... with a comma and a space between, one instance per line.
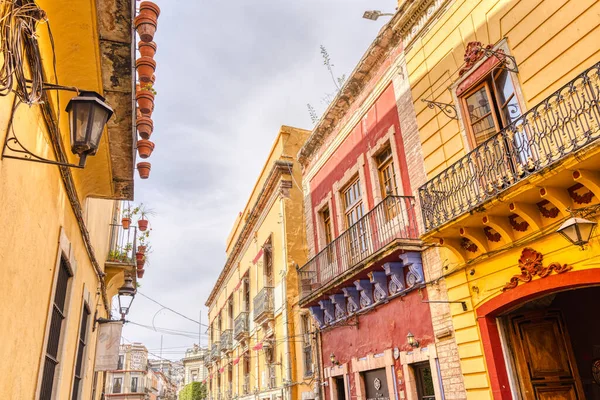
x=560, y=125
x=391, y=220
x=215, y=354
x=123, y=245
x=263, y=305
x=207, y=358
x=226, y=342
x=240, y=326
x=246, y=385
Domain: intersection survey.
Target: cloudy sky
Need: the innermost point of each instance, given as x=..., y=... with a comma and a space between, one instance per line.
x=229, y=74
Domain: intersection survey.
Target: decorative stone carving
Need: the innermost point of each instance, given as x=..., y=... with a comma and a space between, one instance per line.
x=413, y=262
x=473, y=54
x=353, y=297
x=530, y=263
x=379, y=281
x=339, y=302
x=327, y=308
x=366, y=292
x=317, y=314
x=395, y=270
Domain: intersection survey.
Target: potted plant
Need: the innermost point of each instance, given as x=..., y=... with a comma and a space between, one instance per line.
x=144, y=126
x=147, y=49
x=153, y=79
x=144, y=169
x=143, y=241
x=128, y=213
x=149, y=9
x=145, y=27
x=145, y=98
x=140, y=263
x=145, y=68
x=140, y=273
x=143, y=221
x=145, y=148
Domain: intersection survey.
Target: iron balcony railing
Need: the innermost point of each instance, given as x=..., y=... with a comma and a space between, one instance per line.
x=263, y=304
x=391, y=219
x=240, y=326
x=246, y=385
x=214, y=351
x=226, y=342
x=207, y=358
x=563, y=123
x=123, y=245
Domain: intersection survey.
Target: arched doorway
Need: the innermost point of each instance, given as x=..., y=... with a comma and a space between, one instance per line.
x=541, y=338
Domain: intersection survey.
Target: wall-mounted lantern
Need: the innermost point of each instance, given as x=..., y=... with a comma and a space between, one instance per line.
x=126, y=295
x=577, y=230
x=333, y=359
x=88, y=115
x=410, y=338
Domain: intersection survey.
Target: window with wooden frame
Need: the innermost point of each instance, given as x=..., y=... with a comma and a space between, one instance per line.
x=246, y=293
x=55, y=332
x=81, y=345
x=327, y=232
x=306, y=345
x=489, y=106
x=353, y=212
x=268, y=263
x=134, y=385
x=230, y=311
x=117, y=385
x=387, y=173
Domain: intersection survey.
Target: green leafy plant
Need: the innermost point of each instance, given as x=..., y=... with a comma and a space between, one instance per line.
x=145, y=211
x=149, y=87
x=194, y=391
x=337, y=82
x=129, y=212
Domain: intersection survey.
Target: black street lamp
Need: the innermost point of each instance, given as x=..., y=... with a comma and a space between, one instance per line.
x=88, y=115
x=126, y=295
x=577, y=230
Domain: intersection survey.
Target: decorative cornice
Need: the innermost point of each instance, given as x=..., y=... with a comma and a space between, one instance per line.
x=410, y=19
x=280, y=168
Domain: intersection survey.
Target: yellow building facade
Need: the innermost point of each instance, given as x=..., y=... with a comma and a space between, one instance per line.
x=56, y=220
x=260, y=346
x=506, y=101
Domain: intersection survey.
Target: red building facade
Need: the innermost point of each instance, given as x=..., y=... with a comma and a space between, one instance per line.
x=365, y=284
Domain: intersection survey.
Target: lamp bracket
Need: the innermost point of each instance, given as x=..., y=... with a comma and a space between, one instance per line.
x=18, y=151
x=509, y=62
x=463, y=303
x=448, y=109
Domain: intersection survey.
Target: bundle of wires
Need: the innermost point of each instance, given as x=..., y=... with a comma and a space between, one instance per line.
x=18, y=24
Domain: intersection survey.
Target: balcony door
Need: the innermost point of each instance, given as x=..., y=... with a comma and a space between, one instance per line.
x=354, y=212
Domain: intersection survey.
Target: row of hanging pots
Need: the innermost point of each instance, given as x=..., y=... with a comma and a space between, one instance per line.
x=146, y=23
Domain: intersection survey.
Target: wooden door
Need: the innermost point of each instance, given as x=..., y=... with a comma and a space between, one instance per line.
x=543, y=356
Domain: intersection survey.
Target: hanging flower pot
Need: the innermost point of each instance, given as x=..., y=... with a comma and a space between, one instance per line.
x=145, y=27
x=145, y=68
x=153, y=79
x=149, y=9
x=140, y=273
x=144, y=126
x=141, y=248
x=146, y=114
x=139, y=256
x=144, y=169
x=145, y=148
x=126, y=222
x=143, y=225
x=147, y=49
x=145, y=99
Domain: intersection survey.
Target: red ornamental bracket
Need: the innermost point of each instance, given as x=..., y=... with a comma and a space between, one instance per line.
x=530, y=263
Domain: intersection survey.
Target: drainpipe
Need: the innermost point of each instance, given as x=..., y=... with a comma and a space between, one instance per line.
x=285, y=303
x=320, y=372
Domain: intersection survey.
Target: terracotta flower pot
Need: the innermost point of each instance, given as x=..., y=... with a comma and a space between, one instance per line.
x=149, y=9
x=139, y=256
x=145, y=148
x=145, y=99
x=153, y=79
x=147, y=49
x=144, y=169
x=147, y=114
x=126, y=222
x=140, y=273
x=145, y=27
x=143, y=224
x=141, y=249
x=145, y=126
x=145, y=68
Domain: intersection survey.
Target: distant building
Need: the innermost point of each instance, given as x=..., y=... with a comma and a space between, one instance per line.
x=133, y=379
x=193, y=365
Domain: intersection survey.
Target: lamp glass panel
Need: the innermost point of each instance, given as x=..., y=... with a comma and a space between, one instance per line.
x=99, y=119
x=124, y=303
x=585, y=230
x=79, y=126
x=570, y=233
